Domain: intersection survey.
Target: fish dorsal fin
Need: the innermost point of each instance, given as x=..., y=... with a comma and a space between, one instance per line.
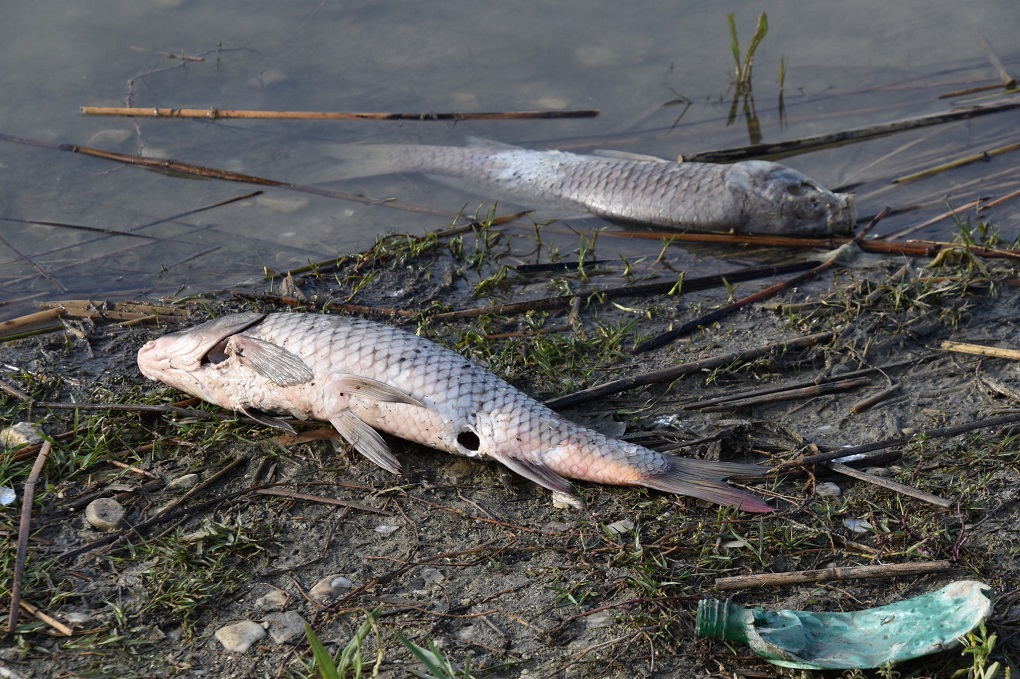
x=273, y=362
x=267, y=420
x=627, y=155
x=356, y=385
x=365, y=440
x=489, y=144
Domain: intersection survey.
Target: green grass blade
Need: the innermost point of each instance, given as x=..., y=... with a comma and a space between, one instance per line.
x=323, y=660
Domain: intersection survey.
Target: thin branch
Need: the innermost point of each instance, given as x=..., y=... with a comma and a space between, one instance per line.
x=28, y=496
x=675, y=372
x=786, y=148
x=220, y=114
x=829, y=574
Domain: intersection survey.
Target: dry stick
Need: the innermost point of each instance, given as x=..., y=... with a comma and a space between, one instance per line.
x=874, y=399
x=28, y=496
x=960, y=162
x=216, y=113
x=841, y=384
x=942, y=432
x=688, y=285
x=912, y=248
x=771, y=291
x=322, y=500
x=828, y=574
x=981, y=350
x=849, y=136
x=52, y=622
x=889, y=485
x=675, y=372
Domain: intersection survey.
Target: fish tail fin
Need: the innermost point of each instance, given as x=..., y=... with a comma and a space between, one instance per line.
x=703, y=479
x=356, y=161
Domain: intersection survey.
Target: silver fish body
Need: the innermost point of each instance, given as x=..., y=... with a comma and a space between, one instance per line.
x=363, y=376
x=752, y=196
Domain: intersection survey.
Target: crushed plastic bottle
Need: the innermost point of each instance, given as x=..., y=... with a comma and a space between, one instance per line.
x=860, y=640
x=7, y=496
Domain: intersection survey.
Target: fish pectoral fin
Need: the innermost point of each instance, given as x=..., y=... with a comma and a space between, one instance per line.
x=273, y=362
x=365, y=440
x=356, y=385
x=268, y=420
x=538, y=473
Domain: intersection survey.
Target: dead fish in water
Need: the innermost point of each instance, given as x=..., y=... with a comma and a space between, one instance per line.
x=752, y=196
x=363, y=376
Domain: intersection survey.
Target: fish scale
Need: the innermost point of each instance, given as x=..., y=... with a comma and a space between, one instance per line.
x=364, y=377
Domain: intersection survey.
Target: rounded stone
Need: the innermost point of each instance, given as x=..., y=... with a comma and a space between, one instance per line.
x=105, y=514
x=183, y=482
x=238, y=637
x=330, y=586
x=285, y=627
x=828, y=489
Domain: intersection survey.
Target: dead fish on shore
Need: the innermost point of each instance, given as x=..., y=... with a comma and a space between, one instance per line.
x=752, y=196
x=363, y=376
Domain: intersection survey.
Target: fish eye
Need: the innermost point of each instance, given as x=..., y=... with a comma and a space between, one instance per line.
x=469, y=440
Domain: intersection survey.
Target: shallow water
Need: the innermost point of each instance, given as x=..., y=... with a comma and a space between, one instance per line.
x=863, y=64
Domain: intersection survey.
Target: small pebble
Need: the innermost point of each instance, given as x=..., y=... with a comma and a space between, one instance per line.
x=601, y=619
x=183, y=482
x=879, y=471
x=432, y=575
x=386, y=529
x=285, y=627
x=273, y=600
x=238, y=637
x=620, y=527
x=330, y=586
x=20, y=434
x=828, y=489
x=858, y=525
x=104, y=514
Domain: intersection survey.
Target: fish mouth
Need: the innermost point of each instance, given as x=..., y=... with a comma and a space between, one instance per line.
x=842, y=217
x=187, y=350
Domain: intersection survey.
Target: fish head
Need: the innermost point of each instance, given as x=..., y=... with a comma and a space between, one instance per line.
x=778, y=200
x=182, y=359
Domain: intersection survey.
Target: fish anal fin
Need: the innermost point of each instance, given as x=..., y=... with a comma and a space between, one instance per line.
x=273, y=362
x=355, y=385
x=365, y=440
x=268, y=420
x=540, y=474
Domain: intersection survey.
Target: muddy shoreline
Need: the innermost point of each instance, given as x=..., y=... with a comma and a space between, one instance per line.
x=458, y=554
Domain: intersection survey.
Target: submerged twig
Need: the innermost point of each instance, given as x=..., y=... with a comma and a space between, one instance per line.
x=220, y=113
x=960, y=162
x=786, y=148
x=28, y=496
